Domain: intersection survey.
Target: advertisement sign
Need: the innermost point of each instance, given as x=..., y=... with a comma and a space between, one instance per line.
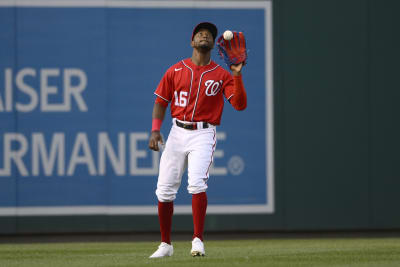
x=76, y=97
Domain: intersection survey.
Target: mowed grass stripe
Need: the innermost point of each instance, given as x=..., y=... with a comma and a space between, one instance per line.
x=266, y=252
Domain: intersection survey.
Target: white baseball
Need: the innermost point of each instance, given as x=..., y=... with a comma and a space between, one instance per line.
x=228, y=35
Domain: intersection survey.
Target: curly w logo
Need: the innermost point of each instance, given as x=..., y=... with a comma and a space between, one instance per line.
x=212, y=87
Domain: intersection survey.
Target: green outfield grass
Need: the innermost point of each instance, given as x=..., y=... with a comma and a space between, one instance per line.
x=268, y=252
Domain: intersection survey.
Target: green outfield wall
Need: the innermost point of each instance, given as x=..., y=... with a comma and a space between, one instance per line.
x=336, y=128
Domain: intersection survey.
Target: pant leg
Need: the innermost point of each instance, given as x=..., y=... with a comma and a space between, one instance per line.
x=201, y=149
x=171, y=167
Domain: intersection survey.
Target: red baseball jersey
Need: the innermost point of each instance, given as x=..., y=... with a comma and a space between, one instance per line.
x=196, y=93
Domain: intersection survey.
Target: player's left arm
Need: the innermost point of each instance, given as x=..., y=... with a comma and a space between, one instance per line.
x=239, y=98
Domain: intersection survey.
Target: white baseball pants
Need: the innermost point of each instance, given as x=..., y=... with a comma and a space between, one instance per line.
x=185, y=148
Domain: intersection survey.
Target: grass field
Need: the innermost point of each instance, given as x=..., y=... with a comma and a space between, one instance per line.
x=266, y=252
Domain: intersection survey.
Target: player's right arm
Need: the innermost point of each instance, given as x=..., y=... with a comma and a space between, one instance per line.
x=164, y=96
x=158, y=116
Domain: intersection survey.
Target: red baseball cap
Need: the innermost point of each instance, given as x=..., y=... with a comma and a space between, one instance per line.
x=206, y=25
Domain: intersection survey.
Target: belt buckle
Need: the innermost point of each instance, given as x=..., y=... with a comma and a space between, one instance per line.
x=187, y=126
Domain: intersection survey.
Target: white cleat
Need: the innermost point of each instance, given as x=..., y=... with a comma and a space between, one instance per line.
x=163, y=250
x=197, y=247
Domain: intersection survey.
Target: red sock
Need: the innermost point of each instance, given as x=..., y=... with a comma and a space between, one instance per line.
x=165, y=211
x=199, y=207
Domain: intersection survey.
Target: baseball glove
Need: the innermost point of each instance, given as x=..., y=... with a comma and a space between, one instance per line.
x=234, y=51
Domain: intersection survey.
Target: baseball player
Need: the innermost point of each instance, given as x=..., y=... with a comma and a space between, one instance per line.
x=195, y=87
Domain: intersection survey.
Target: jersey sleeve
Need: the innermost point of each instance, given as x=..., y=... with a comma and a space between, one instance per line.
x=161, y=101
x=239, y=99
x=228, y=87
x=165, y=87
x=235, y=93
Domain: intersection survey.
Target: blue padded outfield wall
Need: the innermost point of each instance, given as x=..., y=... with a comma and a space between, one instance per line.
x=76, y=96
